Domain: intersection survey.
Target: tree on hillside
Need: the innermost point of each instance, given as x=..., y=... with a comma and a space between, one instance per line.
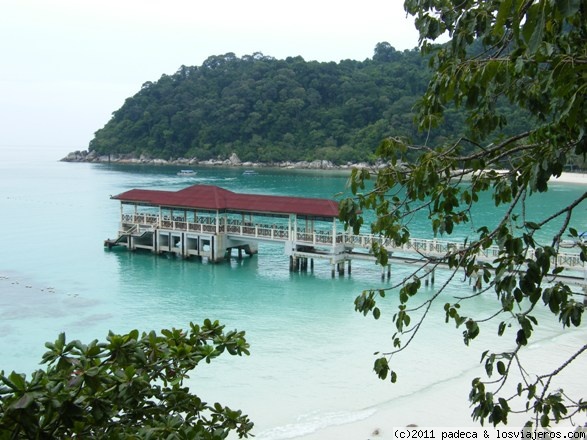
x=130, y=386
x=531, y=54
x=267, y=110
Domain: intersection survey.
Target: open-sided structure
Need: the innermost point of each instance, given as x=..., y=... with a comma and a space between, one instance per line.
x=208, y=221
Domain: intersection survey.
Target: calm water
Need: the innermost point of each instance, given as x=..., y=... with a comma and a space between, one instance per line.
x=311, y=353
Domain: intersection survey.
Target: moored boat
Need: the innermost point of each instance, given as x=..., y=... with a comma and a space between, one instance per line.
x=186, y=173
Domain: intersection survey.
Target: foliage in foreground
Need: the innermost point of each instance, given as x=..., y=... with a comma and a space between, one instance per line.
x=130, y=386
x=535, y=57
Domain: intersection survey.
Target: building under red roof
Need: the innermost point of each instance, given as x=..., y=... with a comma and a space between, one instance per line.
x=209, y=197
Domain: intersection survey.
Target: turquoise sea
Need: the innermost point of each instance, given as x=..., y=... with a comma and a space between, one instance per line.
x=312, y=354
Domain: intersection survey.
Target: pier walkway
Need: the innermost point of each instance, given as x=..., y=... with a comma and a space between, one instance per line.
x=209, y=222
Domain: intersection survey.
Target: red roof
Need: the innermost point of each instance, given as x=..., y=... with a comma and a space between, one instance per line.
x=214, y=198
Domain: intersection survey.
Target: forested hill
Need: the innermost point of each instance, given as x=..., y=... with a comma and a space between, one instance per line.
x=266, y=109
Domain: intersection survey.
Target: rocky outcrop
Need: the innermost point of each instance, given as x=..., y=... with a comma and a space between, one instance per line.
x=232, y=161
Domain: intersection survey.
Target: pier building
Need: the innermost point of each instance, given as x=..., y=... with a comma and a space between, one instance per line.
x=210, y=222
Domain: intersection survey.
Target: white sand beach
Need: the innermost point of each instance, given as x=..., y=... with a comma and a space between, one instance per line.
x=580, y=178
x=446, y=403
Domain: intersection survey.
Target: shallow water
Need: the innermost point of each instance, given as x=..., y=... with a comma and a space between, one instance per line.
x=312, y=355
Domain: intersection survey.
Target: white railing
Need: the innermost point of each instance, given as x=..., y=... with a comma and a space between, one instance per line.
x=431, y=247
x=141, y=219
x=281, y=233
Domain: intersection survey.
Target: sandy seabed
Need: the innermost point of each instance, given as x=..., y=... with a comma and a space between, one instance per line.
x=446, y=404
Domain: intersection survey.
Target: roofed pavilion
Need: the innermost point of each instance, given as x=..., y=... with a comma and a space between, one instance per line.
x=214, y=198
x=209, y=221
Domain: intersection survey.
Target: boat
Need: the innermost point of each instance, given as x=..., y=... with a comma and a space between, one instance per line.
x=250, y=173
x=186, y=173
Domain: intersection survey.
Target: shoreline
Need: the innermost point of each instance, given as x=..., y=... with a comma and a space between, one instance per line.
x=446, y=404
x=232, y=162
x=579, y=178
x=571, y=177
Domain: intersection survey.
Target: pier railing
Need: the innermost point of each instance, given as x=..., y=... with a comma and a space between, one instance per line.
x=324, y=238
x=440, y=248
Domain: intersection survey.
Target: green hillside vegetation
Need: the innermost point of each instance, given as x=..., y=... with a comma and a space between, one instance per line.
x=269, y=110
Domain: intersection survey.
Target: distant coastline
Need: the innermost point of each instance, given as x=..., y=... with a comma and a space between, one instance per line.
x=234, y=161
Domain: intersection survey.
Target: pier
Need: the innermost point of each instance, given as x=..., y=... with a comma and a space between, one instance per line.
x=211, y=222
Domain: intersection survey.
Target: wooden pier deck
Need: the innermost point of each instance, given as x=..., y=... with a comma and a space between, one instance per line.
x=336, y=248
x=209, y=222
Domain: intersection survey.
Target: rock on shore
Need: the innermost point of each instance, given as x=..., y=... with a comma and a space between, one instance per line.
x=233, y=161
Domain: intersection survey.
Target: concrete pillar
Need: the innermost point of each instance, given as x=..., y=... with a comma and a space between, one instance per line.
x=184, y=244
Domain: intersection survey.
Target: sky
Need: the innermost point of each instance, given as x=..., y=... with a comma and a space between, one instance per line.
x=67, y=65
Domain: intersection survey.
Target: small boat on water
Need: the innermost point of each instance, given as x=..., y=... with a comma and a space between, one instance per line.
x=186, y=173
x=250, y=173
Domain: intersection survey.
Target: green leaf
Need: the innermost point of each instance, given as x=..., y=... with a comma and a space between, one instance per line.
x=376, y=313
x=504, y=13
x=16, y=381
x=533, y=28
x=381, y=367
x=501, y=368
x=521, y=338
x=393, y=377
x=568, y=8
x=501, y=328
x=24, y=402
